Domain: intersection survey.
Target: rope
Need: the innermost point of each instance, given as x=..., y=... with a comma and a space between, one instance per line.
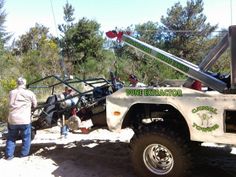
x=54, y=19
x=62, y=58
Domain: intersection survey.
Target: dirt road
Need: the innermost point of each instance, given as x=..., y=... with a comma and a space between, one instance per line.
x=100, y=154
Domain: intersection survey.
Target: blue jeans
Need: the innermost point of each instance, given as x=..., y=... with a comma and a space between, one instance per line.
x=14, y=133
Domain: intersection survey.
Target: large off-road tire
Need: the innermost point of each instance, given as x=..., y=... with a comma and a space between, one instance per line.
x=160, y=153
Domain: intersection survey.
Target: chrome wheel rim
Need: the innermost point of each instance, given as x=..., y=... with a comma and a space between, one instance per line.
x=158, y=159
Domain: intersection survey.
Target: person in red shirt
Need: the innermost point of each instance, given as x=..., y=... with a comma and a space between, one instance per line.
x=134, y=81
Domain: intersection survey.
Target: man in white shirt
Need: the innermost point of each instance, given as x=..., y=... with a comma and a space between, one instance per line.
x=19, y=118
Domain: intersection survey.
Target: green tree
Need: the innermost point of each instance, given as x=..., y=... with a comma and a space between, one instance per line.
x=84, y=41
x=149, y=32
x=4, y=36
x=68, y=18
x=8, y=72
x=63, y=41
x=38, y=53
x=34, y=39
x=186, y=33
x=7, y=66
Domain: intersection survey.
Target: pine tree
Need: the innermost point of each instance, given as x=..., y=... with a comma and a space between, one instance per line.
x=186, y=33
x=4, y=36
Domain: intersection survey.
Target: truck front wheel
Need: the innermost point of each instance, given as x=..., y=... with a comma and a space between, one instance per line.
x=156, y=154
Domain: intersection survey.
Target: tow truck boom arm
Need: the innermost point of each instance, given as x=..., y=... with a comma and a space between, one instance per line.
x=179, y=64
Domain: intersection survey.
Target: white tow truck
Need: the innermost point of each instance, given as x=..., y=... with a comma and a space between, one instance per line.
x=167, y=121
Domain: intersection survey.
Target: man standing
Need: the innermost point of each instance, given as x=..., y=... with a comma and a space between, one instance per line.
x=19, y=119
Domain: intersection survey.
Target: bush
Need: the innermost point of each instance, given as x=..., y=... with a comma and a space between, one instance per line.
x=5, y=87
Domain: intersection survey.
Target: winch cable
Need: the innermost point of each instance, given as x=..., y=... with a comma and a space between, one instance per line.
x=62, y=62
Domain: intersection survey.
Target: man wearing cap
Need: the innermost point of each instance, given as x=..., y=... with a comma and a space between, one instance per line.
x=21, y=100
x=134, y=81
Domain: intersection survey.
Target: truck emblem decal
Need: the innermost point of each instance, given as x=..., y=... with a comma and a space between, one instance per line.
x=205, y=113
x=154, y=92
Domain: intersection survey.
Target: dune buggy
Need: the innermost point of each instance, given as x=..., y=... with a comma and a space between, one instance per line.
x=85, y=102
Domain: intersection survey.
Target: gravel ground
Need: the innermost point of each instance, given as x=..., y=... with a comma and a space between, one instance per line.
x=100, y=153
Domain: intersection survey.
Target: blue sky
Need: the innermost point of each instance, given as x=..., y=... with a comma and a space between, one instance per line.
x=23, y=14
